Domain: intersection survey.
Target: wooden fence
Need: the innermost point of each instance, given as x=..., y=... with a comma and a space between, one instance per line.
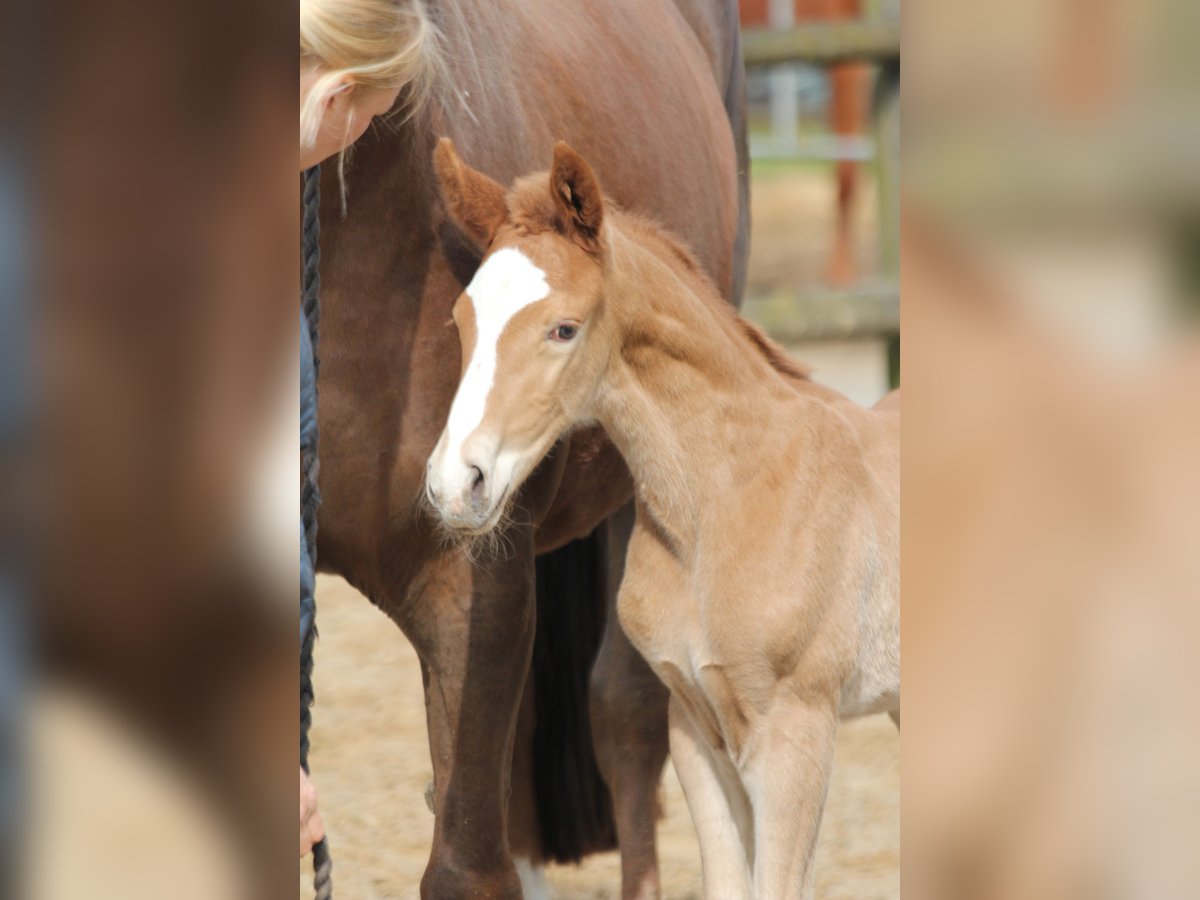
x=822, y=44
x=869, y=310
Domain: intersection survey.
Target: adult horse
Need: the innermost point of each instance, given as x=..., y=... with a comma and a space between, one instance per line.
x=630, y=83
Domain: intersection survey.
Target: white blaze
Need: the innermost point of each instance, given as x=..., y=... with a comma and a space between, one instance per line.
x=505, y=284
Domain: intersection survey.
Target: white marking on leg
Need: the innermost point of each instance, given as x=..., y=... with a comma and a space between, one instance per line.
x=533, y=880
x=505, y=284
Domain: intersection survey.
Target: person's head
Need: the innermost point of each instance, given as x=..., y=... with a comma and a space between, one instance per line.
x=355, y=58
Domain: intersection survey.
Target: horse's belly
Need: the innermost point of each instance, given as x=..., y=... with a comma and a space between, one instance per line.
x=875, y=686
x=867, y=700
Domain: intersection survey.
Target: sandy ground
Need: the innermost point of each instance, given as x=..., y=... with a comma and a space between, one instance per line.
x=369, y=753
x=371, y=763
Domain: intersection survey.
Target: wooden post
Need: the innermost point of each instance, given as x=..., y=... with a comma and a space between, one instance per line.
x=785, y=107
x=874, y=312
x=887, y=165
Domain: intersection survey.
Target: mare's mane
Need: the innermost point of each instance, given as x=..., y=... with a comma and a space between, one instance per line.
x=532, y=210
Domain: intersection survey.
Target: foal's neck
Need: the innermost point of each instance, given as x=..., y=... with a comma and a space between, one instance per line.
x=693, y=405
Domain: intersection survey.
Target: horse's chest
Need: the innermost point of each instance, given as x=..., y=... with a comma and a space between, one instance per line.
x=680, y=650
x=661, y=625
x=661, y=614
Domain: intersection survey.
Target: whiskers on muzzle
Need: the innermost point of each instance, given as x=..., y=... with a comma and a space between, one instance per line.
x=497, y=544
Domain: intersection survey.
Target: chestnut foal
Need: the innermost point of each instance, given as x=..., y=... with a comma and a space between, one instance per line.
x=763, y=576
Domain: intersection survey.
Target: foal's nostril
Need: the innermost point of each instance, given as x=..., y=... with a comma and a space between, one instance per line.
x=477, y=485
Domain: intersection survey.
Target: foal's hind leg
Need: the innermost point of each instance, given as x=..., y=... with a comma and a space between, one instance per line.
x=629, y=728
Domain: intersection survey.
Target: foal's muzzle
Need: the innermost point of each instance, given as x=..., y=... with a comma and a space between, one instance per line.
x=460, y=488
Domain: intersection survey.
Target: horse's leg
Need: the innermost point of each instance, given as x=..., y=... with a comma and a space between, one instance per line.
x=473, y=626
x=524, y=838
x=787, y=776
x=629, y=728
x=720, y=810
x=629, y=725
x=848, y=99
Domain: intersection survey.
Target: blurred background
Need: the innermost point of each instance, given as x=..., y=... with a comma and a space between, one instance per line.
x=823, y=86
x=1051, y=583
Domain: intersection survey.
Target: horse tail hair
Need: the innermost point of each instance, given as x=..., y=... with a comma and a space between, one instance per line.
x=574, y=807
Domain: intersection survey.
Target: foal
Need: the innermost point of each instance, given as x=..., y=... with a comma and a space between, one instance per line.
x=762, y=581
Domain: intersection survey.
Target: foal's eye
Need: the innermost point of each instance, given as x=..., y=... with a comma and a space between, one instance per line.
x=564, y=332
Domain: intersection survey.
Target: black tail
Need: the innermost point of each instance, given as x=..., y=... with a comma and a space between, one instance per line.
x=573, y=803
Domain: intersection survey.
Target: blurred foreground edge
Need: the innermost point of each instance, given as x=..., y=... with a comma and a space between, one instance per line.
x=162, y=224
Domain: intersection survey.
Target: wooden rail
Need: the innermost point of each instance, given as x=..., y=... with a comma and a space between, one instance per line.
x=827, y=43
x=871, y=310
x=864, y=311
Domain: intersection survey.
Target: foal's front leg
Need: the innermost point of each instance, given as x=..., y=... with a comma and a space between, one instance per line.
x=653, y=606
x=719, y=807
x=787, y=774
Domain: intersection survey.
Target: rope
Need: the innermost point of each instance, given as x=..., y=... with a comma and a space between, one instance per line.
x=310, y=301
x=310, y=497
x=323, y=868
x=311, y=248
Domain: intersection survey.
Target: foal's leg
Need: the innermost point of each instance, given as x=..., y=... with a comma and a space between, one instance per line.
x=787, y=775
x=629, y=729
x=473, y=626
x=719, y=808
x=654, y=590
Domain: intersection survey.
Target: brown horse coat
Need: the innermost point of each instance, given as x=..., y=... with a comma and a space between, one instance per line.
x=629, y=81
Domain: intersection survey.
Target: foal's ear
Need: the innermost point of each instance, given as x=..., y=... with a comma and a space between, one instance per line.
x=474, y=201
x=577, y=196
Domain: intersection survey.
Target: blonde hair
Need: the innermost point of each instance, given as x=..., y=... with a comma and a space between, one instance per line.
x=373, y=43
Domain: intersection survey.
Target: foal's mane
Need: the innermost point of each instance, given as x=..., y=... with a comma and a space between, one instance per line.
x=532, y=210
x=779, y=359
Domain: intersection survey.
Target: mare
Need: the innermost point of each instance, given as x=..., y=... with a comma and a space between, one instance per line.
x=763, y=575
x=553, y=762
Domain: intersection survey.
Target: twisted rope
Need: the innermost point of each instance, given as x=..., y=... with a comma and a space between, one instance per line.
x=311, y=247
x=310, y=497
x=322, y=880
